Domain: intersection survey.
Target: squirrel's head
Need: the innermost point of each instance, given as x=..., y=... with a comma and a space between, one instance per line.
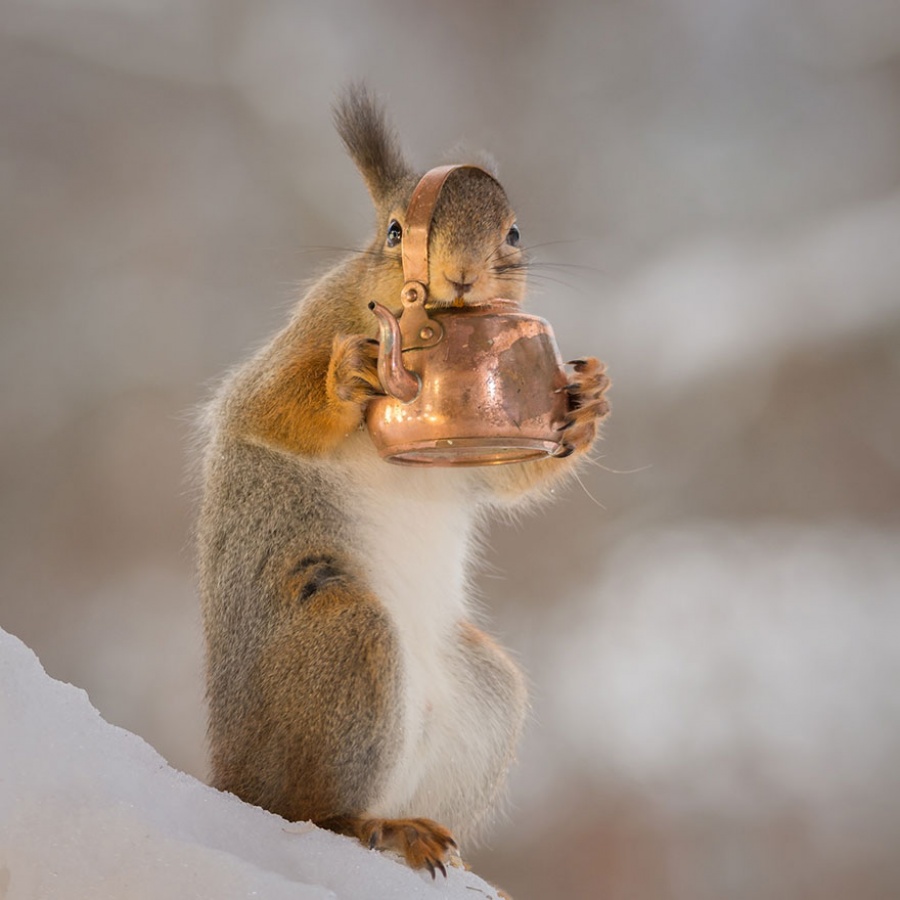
x=473, y=245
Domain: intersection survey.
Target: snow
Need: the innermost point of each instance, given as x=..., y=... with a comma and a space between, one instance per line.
x=91, y=811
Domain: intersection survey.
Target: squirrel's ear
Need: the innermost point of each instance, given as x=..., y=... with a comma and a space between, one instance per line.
x=370, y=141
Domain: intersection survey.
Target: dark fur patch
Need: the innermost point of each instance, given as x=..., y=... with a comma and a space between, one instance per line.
x=316, y=571
x=313, y=559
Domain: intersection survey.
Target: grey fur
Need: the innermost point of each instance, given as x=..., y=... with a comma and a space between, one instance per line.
x=372, y=144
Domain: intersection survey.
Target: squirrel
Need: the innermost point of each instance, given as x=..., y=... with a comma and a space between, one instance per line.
x=347, y=684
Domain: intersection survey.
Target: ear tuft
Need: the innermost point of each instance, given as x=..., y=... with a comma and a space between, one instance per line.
x=371, y=142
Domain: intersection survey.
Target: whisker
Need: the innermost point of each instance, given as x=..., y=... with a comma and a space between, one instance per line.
x=547, y=279
x=491, y=254
x=358, y=251
x=584, y=488
x=559, y=242
x=509, y=273
x=599, y=465
x=516, y=272
x=575, y=266
x=495, y=252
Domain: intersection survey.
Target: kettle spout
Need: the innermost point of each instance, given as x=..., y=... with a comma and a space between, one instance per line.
x=395, y=379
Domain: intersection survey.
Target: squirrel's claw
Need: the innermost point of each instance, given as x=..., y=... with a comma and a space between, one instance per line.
x=587, y=405
x=353, y=370
x=423, y=843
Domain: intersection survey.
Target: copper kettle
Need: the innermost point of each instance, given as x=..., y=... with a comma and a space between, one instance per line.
x=480, y=384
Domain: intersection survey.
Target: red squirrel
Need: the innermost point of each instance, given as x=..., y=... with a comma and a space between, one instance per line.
x=347, y=684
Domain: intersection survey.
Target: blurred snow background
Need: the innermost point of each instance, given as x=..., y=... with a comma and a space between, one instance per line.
x=711, y=625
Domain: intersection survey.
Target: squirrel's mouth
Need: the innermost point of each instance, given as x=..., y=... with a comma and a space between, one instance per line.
x=456, y=290
x=454, y=302
x=446, y=292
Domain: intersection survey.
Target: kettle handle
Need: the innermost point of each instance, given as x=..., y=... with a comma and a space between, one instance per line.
x=418, y=328
x=414, y=329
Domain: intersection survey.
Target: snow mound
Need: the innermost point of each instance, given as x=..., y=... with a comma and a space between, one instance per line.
x=90, y=811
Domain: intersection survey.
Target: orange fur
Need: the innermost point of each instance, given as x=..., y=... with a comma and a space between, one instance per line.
x=423, y=843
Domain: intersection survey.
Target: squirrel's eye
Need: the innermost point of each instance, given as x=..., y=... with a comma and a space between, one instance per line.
x=394, y=233
x=512, y=237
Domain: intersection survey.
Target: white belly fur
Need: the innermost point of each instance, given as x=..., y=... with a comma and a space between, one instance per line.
x=415, y=527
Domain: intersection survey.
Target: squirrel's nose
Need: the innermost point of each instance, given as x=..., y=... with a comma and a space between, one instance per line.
x=461, y=287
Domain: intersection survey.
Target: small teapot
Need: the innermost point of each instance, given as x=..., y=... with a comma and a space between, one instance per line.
x=481, y=384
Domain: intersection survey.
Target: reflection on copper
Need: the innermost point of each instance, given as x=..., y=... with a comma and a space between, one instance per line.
x=488, y=392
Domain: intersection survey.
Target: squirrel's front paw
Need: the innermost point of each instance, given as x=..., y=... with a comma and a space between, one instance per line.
x=588, y=405
x=353, y=370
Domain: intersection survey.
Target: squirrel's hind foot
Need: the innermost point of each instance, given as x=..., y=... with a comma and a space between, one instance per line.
x=423, y=843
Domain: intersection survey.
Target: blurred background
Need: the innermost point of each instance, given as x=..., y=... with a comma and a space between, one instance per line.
x=711, y=192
